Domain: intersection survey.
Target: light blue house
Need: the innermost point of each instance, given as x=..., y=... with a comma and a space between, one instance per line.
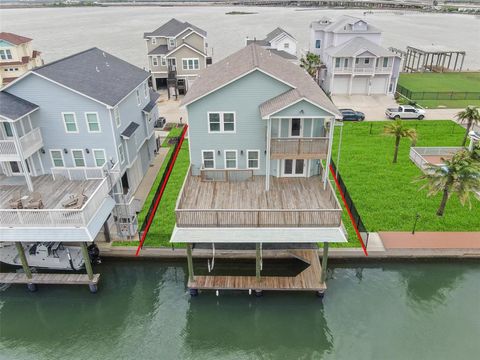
x=78, y=128
x=259, y=129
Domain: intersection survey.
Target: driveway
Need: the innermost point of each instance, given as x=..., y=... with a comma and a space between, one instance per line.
x=170, y=108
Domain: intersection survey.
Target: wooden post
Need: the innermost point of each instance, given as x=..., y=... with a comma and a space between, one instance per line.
x=86, y=259
x=257, y=262
x=23, y=259
x=190, y=263
x=324, y=262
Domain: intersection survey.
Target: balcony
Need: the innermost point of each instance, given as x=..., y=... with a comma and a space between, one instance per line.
x=299, y=148
x=29, y=144
x=290, y=203
x=383, y=70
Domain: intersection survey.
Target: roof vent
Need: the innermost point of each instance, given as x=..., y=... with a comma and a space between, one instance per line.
x=97, y=69
x=107, y=64
x=103, y=53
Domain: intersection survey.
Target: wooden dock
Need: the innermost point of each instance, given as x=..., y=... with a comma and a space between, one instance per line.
x=307, y=280
x=59, y=279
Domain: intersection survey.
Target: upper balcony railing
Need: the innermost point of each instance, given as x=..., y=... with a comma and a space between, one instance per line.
x=88, y=173
x=362, y=70
x=304, y=148
x=29, y=143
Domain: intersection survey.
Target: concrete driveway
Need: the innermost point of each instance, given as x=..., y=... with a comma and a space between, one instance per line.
x=170, y=108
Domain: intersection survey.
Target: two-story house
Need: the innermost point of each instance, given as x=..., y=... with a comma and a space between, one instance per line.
x=76, y=138
x=259, y=130
x=177, y=51
x=279, y=42
x=16, y=57
x=355, y=62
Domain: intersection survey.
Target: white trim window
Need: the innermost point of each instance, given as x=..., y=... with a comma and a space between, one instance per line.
x=139, y=102
x=70, y=122
x=6, y=54
x=163, y=60
x=154, y=40
x=385, y=62
x=116, y=116
x=78, y=158
x=99, y=157
x=155, y=61
x=121, y=153
x=230, y=159
x=93, y=123
x=171, y=43
x=57, y=158
x=208, y=159
x=253, y=159
x=145, y=90
x=190, y=64
x=221, y=122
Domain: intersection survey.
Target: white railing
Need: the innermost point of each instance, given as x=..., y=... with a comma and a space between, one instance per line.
x=226, y=174
x=315, y=146
x=381, y=69
x=7, y=147
x=31, y=142
x=87, y=173
x=417, y=154
x=343, y=70
x=364, y=70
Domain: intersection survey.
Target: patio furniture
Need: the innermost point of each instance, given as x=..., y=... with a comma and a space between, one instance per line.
x=70, y=201
x=16, y=202
x=75, y=201
x=35, y=201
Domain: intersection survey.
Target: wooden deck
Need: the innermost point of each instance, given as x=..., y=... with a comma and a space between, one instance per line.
x=60, y=279
x=307, y=280
x=53, y=192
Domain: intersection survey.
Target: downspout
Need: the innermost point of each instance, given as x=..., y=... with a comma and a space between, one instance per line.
x=329, y=152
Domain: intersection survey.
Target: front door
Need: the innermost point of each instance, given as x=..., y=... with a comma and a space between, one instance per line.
x=294, y=167
x=172, y=64
x=295, y=127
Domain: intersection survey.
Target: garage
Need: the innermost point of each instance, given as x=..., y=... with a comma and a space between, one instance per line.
x=340, y=84
x=160, y=83
x=379, y=85
x=360, y=85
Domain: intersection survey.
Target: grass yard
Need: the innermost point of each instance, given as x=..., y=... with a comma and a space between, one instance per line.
x=385, y=194
x=164, y=221
x=443, y=82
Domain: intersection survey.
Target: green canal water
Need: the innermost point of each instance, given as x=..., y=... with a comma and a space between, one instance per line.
x=386, y=311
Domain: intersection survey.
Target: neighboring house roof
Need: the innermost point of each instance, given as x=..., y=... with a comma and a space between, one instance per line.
x=14, y=38
x=159, y=50
x=254, y=57
x=187, y=46
x=12, y=107
x=261, y=42
x=130, y=130
x=172, y=28
x=343, y=25
x=275, y=33
x=153, y=101
x=357, y=45
x=283, y=54
x=95, y=74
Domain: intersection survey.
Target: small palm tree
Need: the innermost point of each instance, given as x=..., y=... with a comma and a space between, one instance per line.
x=460, y=175
x=399, y=131
x=310, y=62
x=471, y=115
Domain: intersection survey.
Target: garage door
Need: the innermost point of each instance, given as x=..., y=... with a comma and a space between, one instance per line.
x=360, y=85
x=379, y=85
x=340, y=84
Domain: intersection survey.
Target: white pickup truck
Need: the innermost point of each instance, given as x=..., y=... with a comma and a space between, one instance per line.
x=405, y=112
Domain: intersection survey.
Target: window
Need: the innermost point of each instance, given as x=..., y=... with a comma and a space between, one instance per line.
x=345, y=63
x=366, y=61
x=286, y=45
x=57, y=158
x=145, y=90
x=208, y=159
x=8, y=129
x=253, y=159
x=163, y=60
x=78, y=158
x=155, y=61
x=121, y=153
x=154, y=41
x=70, y=122
x=385, y=62
x=318, y=44
x=337, y=62
x=357, y=60
x=190, y=64
x=171, y=42
x=5, y=54
x=92, y=122
x=138, y=97
x=221, y=122
x=99, y=156
x=116, y=115
x=230, y=159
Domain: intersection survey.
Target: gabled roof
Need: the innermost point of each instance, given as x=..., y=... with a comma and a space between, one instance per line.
x=172, y=28
x=14, y=38
x=175, y=49
x=273, y=34
x=159, y=50
x=343, y=25
x=249, y=59
x=357, y=45
x=12, y=107
x=95, y=74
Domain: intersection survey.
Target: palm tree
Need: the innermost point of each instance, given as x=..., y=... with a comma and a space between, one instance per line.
x=471, y=115
x=460, y=175
x=399, y=130
x=310, y=62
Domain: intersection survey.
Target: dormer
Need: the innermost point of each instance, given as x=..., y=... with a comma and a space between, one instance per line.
x=359, y=26
x=171, y=43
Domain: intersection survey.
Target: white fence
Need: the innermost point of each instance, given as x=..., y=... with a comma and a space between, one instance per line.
x=417, y=154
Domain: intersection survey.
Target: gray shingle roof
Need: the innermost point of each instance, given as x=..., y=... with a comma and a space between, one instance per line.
x=96, y=74
x=254, y=57
x=129, y=130
x=153, y=101
x=159, y=50
x=172, y=28
x=273, y=34
x=352, y=47
x=342, y=25
x=283, y=54
x=12, y=107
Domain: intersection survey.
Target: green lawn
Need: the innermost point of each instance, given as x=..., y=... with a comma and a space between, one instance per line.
x=442, y=82
x=385, y=194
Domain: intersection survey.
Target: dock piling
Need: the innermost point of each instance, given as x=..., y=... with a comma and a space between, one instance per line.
x=21, y=253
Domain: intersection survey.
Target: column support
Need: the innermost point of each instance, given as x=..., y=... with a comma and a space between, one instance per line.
x=191, y=276
x=23, y=259
x=257, y=261
x=267, y=157
x=86, y=259
x=329, y=152
x=324, y=262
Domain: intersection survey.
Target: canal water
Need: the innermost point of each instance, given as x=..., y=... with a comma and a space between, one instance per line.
x=412, y=310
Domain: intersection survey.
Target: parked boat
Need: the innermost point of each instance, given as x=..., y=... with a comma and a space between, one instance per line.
x=49, y=255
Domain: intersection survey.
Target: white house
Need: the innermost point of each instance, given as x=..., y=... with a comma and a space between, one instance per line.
x=279, y=42
x=355, y=61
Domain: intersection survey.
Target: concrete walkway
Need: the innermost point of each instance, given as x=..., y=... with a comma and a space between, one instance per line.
x=170, y=108
x=431, y=240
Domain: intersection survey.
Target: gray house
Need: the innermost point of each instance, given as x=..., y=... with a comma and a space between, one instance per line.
x=76, y=135
x=259, y=129
x=177, y=51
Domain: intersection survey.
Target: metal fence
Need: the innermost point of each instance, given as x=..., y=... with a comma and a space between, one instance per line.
x=438, y=95
x=356, y=218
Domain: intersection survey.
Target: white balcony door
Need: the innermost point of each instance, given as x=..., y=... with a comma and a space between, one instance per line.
x=294, y=167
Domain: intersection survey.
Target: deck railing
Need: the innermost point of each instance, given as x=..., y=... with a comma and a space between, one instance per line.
x=314, y=146
x=226, y=174
x=7, y=147
x=417, y=154
x=30, y=142
x=87, y=173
